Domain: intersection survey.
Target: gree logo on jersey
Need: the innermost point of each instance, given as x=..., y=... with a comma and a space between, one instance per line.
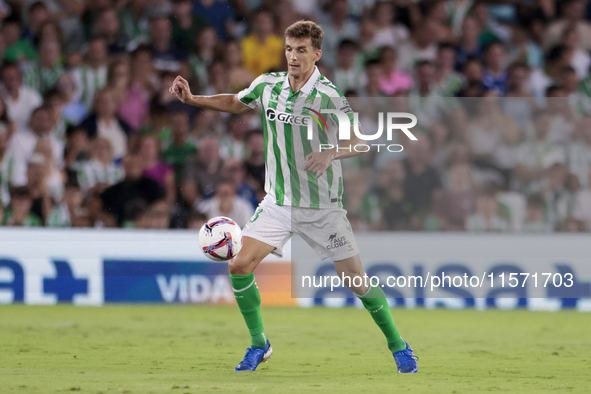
x=283, y=117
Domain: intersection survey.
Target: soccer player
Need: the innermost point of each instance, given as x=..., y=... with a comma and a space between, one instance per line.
x=303, y=185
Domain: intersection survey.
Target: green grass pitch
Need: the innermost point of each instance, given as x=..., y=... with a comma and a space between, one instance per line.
x=193, y=349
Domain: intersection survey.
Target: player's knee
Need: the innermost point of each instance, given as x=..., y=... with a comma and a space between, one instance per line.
x=241, y=265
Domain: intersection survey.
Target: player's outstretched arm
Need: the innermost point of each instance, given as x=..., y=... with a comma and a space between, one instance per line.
x=219, y=102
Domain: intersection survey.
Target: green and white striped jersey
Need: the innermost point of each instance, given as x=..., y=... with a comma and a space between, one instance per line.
x=6, y=173
x=93, y=172
x=88, y=82
x=285, y=119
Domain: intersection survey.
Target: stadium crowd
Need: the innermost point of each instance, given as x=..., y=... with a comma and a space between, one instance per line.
x=91, y=137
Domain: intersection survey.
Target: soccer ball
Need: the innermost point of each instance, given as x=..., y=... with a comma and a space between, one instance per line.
x=220, y=238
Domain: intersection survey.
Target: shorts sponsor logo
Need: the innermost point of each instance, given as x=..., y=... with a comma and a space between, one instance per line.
x=334, y=241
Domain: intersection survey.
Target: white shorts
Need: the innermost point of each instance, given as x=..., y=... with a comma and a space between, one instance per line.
x=326, y=230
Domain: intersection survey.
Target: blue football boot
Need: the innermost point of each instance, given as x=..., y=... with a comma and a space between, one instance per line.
x=254, y=356
x=406, y=360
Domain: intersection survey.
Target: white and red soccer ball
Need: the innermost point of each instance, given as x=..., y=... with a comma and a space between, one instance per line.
x=220, y=238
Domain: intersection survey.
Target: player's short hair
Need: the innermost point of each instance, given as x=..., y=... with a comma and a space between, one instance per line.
x=305, y=29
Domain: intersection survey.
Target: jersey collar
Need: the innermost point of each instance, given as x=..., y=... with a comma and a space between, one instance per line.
x=307, y=88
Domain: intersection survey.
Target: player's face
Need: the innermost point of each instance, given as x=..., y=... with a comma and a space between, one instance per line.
x=300, y=55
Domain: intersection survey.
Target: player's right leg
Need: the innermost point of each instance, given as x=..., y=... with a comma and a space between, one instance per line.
x=267, y=232
x=248, y=299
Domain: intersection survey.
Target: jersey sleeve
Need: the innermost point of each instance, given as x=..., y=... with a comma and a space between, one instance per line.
x=251, y=96
x=339, y=102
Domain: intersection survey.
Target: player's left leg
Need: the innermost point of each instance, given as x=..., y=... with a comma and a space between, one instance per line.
x=374, y=300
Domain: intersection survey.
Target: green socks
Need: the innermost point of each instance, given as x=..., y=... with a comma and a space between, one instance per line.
x=248, y=298
x=375, y=303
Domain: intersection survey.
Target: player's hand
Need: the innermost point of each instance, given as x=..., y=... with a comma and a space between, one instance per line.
x=180, y=88
x=318, y=162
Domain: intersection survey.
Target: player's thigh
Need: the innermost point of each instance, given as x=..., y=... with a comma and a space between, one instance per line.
x=252, y=253
x=268, y=231
x=327, y=231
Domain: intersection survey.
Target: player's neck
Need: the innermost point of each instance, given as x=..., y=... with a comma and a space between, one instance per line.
x=297, y=83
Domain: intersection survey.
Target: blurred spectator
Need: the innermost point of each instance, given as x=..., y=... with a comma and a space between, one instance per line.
x=69, y=212
x=337, y=28
x=180, y=148
x=196, y=220
x=219, y=14
x=74, y=111
x=92, y=76
x=420, y=46
x=348, y=73
x=582, y=204
x=44, y=73
x=495, y=76
x=6, y=166
x=238, y=76
x=578, y=57
x=233, y=169
x=233, y=144
x=206, y=47
x=373, y=73
x=535, y=221
x=572, y=15
x=116, y=199
x=541, y=79
x=149, y=152
x=100, y=169
x=6, y=122
x=359, y=201
x=578, y=152
x=38, y=15
x=255, y=159
x=537, y=155
x=447, y=80
x=108, y=27
x=104, y=122
x=558, y=199
x=202, y=171
x=166, y=56
x=17, y=48
x=563, y=118
x=486, y=218
x=399, y=211
x=19, y=212
x=24, y=141
x=225, y=202
x=185, y=25
x=392, y=80
x=129, y=92
x=262, y=50
x=486, y=128
x=134, y=22
x=20, y=100
x=37, y=174
x=454, y=204
x=77, y=148
x=469, y=46
x=421, y=178
x=386, y=31
x=522, y=49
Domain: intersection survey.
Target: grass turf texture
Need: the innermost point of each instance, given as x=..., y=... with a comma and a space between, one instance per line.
x=193, y=349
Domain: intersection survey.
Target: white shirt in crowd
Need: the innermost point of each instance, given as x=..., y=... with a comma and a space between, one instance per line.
x=21, y=148
x=241, y=213
x=115, y=134
x=20, y=110
x=582, y=207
